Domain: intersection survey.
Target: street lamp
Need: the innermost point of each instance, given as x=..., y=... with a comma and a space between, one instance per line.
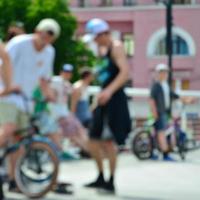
x=169, y=42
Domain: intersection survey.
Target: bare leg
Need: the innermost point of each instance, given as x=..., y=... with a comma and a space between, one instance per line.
x=162, y=141
x=96, y=153
x=57, y=139
x=95, y=148
x=111, y=154
x=6, y=132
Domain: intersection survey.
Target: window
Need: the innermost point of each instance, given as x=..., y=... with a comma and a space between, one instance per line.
x=129, y=44
x=183, y=43
x=185, y=85
x=129, y=2
x=180, y=46
x=182, y=1
x=81, y=3
x=106, y=2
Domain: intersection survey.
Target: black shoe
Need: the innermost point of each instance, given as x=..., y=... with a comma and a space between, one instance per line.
x=12, y=187
x=1, y=189
x=61, y=188
x=109, y=187
x=99, y=183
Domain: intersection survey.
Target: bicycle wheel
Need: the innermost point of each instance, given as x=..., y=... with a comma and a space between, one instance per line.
x=142, y=145
x=182, y=144
x=36, y=170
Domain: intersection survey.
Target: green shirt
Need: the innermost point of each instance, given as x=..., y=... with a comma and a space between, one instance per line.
x=40, y=103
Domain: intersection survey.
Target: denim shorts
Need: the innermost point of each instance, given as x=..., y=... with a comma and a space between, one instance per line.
x=161, y=123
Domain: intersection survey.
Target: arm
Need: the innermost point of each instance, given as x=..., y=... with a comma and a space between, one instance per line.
x=152, y=101
x=174, y=96
x=121, y=61
x=47, y=91
x=184, y=99
x=6, y=68
x=75, y=96
x=153, y=108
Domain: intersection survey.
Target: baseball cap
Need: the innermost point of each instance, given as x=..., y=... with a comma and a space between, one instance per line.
x=96, y=26
x=161, y=67
x=49, y=25
x=67, y=68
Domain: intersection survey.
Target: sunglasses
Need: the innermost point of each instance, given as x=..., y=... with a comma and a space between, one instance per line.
x=50, y=33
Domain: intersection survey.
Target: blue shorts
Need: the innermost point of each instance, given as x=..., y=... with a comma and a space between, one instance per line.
x=161, y=123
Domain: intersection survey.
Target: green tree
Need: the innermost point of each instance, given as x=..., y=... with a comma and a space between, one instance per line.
x=12, y=10
x=68, y=50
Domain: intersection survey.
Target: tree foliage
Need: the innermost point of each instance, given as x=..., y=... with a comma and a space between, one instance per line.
x=68, y=50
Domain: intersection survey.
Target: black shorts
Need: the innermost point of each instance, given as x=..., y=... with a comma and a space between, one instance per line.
x=113, y=116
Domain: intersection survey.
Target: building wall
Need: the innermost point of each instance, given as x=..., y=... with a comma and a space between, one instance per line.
x=143, y=22
x=146, y=22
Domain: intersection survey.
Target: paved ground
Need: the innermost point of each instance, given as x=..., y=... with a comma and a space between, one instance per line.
x=135, y=180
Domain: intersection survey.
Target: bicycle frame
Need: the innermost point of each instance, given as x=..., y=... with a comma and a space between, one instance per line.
x=32, y=135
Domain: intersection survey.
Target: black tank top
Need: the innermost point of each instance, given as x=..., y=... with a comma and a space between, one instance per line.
x=108, y=69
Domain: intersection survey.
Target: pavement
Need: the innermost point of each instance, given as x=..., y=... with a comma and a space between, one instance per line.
x=135, y=180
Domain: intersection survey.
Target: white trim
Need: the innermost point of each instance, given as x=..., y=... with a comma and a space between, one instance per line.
x=131, y=8
x=159, y=34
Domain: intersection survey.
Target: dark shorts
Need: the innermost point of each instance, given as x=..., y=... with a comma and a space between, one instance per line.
x=161, y=123
x=112, y=121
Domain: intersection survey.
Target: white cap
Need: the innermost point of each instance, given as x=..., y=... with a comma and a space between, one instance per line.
x=49, y=25
x=67, y=68
x=96, y=26
x=161, y=67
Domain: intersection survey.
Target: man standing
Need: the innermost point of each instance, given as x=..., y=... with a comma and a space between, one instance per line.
x=111, y=121
x=32, y=58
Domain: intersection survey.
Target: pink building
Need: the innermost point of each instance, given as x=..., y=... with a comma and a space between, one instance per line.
x=141, y=25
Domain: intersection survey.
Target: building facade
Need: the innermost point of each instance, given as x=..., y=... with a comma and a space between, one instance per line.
x=141, y=25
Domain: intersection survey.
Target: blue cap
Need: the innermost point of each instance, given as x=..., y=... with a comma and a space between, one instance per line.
x=96, y=26
x=67, y=68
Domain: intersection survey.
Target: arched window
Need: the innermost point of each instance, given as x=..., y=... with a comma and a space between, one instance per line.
x=183, y=43
x=180, y=46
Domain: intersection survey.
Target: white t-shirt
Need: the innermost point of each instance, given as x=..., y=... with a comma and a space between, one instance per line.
x=29, y=65
x=62, y=89
x=166, y=91
x=84, y=90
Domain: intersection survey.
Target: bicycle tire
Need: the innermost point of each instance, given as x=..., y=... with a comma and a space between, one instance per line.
x=142, y=151
x=55, y=162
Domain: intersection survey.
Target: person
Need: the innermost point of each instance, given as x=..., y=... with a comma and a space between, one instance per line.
x=80, y=104
x=160, y=97
x=70, y=126
x=6, y=80
x=6, y=87
x=16, y=28
x=32, y=58
x=111, y=120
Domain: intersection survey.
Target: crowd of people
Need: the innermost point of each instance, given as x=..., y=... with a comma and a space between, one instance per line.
x=64, y=110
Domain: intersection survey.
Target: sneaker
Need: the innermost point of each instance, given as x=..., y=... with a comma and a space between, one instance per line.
x=109, y=187
x=154, y=157
x=168, y=158
x=99, y=183
x=62, y=189
x=65, y=156
x=13, y=187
